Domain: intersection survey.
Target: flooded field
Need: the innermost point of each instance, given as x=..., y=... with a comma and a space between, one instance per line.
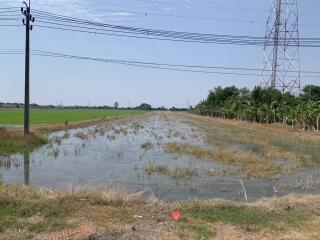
x=173, y=156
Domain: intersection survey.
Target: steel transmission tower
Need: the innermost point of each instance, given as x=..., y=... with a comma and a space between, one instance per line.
x=281, y=60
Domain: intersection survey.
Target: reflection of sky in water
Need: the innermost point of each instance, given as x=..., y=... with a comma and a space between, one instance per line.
x=113, y=157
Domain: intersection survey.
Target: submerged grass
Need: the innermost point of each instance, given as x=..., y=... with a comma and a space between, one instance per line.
x=176, y=173
x=184, y=173
x=147, y=145
x=151, y=169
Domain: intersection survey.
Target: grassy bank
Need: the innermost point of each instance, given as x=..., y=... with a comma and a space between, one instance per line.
x=27, y=213
x=59, y=116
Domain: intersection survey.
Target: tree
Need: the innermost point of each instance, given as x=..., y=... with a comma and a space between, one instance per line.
x=145, y=106
x=311, y=93
x=264, y=106
x=116, y=105
x=256, y=100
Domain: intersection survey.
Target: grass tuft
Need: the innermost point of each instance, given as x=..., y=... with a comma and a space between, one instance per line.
x=147, y=145
x=15, y=142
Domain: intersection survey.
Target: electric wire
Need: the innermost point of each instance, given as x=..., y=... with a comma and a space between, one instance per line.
x=167, y=35
x=153, y=65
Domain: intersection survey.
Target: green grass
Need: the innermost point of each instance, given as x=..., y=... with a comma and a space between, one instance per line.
x=25, y=209
x=58, y=116
x=202, y=232
x=19, y=216
x=16, y=142
x=197, y=231
x=247, y=218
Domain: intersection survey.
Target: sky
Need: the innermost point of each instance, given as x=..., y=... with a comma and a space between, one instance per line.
x=79, y=82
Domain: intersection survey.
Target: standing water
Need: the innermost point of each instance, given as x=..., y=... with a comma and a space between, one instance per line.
x=130, y=154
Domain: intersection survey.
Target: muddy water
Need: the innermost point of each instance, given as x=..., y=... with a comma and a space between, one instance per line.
x=117, y=155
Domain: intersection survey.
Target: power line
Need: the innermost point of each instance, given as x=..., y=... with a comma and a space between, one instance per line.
x=153, y=65
x=8, y=8
x=10, y=25
x=148, y=13
x=162, y=33
x=9, y=19
x=63, y=18
x=154, y=33
x=154, y=38
x=159, y=14
x=58, y=17
x=8, y=11
x=76, y=25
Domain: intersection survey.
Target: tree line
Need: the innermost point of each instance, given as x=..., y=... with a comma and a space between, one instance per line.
x=264, y=106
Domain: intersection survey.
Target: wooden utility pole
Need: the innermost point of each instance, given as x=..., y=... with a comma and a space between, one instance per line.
x=26, y=21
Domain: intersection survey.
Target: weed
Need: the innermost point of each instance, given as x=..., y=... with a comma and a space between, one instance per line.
x=136, y=126
x=55, y=152
x=82, y=135
x=57, y=140
x=184, y=173
x=147, y=145
x=162, y=169
x=77, y=151
x=66, y=135
x=111, y=137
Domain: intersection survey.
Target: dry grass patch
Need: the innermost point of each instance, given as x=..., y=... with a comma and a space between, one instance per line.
x=82, y=135
x=251, y=164
x=258, y=150
x=271, y=140
x=99, y=196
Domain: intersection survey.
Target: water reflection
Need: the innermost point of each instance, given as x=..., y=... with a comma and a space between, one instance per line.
x=26, y=165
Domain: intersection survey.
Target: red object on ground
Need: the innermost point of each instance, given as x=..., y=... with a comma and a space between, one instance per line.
x=176, y=215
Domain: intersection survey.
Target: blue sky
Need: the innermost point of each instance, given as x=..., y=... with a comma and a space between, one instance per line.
x=56, y=81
